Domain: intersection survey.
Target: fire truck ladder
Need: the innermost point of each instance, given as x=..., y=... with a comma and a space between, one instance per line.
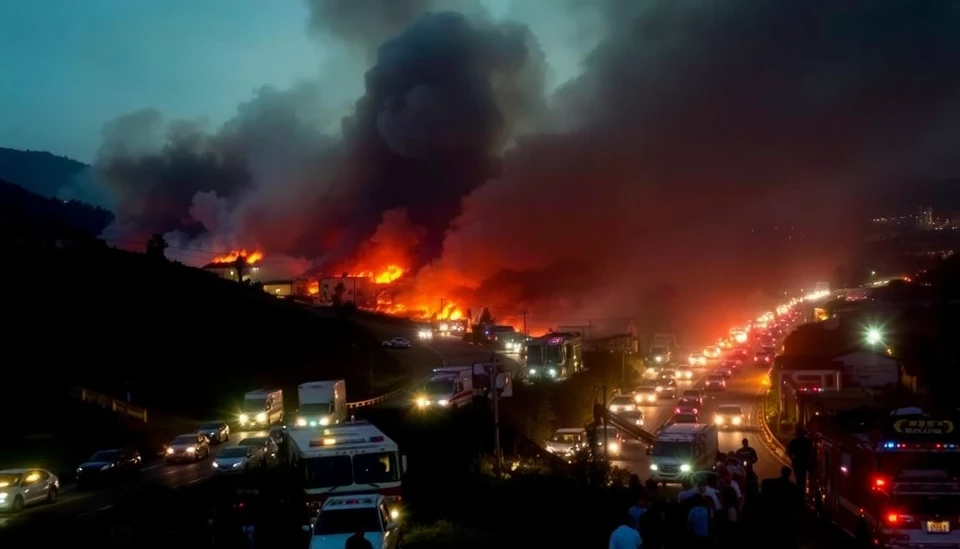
x=600, y=413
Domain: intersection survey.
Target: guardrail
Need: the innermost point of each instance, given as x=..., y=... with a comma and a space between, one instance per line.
x=107, y=401
x=385, y=397
x=771, y=441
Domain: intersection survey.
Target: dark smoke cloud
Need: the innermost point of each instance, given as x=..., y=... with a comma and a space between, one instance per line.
x=699, y=127
x=717, y=146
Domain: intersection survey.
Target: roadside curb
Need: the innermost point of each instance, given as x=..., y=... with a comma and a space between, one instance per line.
x=770, y=441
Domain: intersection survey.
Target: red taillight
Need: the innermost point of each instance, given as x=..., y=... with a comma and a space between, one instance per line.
x=879, y=483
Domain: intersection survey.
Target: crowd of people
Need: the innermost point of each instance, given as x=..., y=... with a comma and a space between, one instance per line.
x=726, y=507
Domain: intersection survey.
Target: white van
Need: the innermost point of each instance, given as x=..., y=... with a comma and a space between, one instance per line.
x=682, y=449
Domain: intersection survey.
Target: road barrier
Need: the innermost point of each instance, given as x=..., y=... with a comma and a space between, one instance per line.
x=771, y=441
x=385, y=397
x=107, y=401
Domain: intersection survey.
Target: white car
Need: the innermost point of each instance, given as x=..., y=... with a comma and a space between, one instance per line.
x=397, y=343
x=344, y=516
x=22, y=487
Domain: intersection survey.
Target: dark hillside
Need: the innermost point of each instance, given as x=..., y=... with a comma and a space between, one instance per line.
x=39, y=171
x=19, y=205
x=110, y=320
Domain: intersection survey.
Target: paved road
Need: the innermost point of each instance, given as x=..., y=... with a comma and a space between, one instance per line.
x=79, y=503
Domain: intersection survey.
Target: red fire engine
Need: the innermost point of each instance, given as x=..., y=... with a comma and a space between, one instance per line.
x=894, y=476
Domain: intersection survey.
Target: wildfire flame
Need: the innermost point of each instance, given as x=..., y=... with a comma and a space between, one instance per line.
x=231, y=257
x=389, y=274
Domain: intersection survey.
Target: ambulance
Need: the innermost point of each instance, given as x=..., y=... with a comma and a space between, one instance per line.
x=353, y=457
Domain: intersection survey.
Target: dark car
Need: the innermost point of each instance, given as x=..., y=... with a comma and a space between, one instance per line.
x=684, y=418
x=715, y=382
x=666, y=388
x=107, y=466
x=693, y=394
x=763, y=358
x=688, y=406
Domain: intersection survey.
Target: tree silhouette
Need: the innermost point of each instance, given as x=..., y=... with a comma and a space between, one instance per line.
x=485, y=317
x=156, y=247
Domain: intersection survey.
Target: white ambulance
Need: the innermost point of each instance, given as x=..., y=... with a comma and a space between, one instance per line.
x=354, y=457
x=456, y=386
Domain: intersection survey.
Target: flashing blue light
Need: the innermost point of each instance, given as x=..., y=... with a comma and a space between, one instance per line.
x=890, y=445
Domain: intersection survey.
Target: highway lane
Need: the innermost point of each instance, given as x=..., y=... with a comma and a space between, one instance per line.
x=74, y=502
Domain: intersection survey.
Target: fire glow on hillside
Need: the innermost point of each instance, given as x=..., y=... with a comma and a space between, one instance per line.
x=233, y=255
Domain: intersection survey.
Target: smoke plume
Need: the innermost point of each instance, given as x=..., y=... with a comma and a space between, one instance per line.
x=720, y=147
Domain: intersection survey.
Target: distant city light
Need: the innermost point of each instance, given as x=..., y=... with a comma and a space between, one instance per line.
x=874, y=336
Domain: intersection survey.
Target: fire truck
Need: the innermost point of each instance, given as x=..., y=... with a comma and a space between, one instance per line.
x=455, y=386
x=892, y=475
x=349, y=458
x=555, y=356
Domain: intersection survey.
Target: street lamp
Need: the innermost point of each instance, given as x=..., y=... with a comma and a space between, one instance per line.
x=874, y=336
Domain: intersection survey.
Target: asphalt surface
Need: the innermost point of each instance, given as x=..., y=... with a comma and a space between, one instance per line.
x=74, y=502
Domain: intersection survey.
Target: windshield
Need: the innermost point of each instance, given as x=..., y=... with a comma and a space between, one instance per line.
x=658, y=350
x=375, y=468
x=212, y=426
x=534, y=353
x=552, y=354
x=327, y=472
x=185, y=439
x=622, y=401
x=9, y=480
x=673, y=449
x=687, y=402
x=715, y=378
x=254, y=404
x=348, y=521
x=646, y=390
x=566, y=438
x=235, y=452
x=317, y=408
x=439, y=387
x=730, y=410
x=945, y=505
x=108, y=455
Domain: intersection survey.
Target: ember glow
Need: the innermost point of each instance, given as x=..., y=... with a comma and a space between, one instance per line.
x=251, y=257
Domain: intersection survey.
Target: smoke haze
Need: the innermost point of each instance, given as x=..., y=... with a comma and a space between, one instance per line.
x=721, y=147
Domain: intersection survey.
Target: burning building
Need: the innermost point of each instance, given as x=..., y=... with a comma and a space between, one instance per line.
x=237, y=265
x=362, y=291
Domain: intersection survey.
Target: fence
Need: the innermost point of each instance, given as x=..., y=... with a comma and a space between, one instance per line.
x=107, y=401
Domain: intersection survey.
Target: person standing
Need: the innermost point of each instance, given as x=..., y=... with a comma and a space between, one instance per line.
x=624, y=537
x=800, y=451
x=698, y=523
x=358, y=541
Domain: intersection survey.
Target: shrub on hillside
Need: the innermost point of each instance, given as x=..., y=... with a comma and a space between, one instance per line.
x=444, y=534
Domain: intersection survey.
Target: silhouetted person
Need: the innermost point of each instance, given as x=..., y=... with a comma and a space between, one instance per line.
x=745, y=454
x=698, y=522
x=358, y=541
x=624, y=537
x=780, y=501
x=800, y=451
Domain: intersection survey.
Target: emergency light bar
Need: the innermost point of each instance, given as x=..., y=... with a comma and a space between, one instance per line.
x=344, y=441
x=928, y=446
x=555, y=341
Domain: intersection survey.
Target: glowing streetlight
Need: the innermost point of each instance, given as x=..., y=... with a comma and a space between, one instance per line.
x=874, y=336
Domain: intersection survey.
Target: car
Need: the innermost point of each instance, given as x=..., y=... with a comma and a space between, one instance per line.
x=693, y=394
x=724, y=371
x=684, y=418
x=660, y=355
x=612, y=437
x=666, y=388
x=20, y=488
x=697, y=359
x=728, y=416
x=740, y=354
x=715, y=382
x=622, y=403
x=566, y=442
x=687, y=406
x=712, y=352
x=267, y=452
x=341, y=517
x=397, y=343
x=190, y=447
x=106, y=466
x=646, y=394
x=667, y=374
x=732, y=363
x=217, y=432
x=763, y=358
x=236, y=459
x=684, y=373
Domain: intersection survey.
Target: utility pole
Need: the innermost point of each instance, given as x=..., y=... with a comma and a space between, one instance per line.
x=498, y=454
x=606, y=444
x=623, y=366
x=525, y=322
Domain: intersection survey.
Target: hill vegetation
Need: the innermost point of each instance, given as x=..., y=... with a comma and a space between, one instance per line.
x=24, y=208
x=39, y=171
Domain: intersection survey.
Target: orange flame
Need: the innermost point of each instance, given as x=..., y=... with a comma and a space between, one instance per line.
x=250, y=258
x=389, y=274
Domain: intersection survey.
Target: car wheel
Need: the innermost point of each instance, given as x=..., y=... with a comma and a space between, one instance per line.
x=52, y=495
x=17, y=504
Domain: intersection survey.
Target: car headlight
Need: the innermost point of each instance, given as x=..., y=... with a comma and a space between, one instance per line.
x=422, y=402
x=262, y=417
x=658, y=358
x=107, y=467
x=552, y=372
x=653, y=467
x=301, y=422
x=718, y=420
x=443, y=402
x=216, y=465
x=3, y=496
x=614, y=409
x=191, y=450
x=325, y=420
x=244, y=418
x=533, y=371
x=640, y=422
x=737, y=420
x=170, y=451
x=659, y=389
x=651, y=398
x=238, y=465
x=551, y=449
x=614, y=447
x=685, y=468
